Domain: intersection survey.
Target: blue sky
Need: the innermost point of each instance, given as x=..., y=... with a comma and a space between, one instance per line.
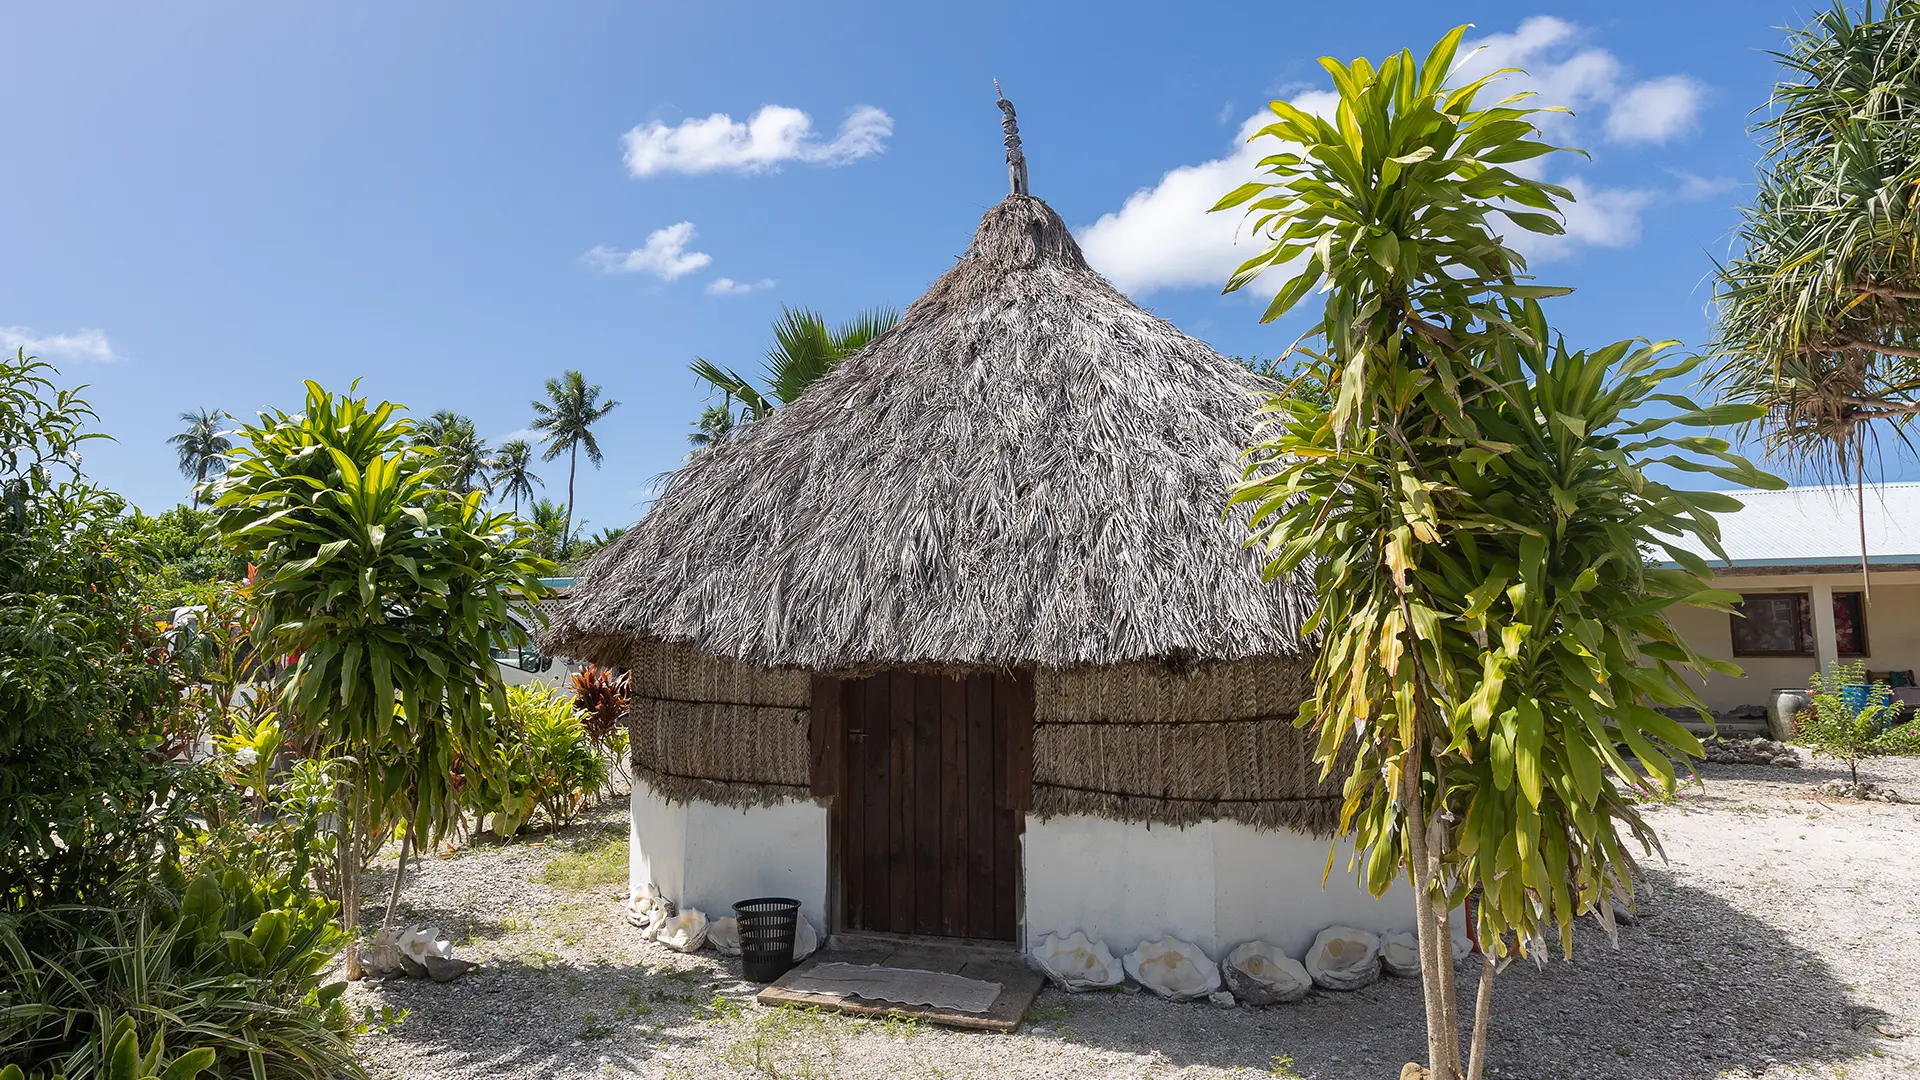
x=204, y=204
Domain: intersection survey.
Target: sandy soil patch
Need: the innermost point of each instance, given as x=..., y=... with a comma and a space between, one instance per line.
x=1771, y=944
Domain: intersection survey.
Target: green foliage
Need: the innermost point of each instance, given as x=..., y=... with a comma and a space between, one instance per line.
x=230, y=976
x=458, y=451
x=387, y=587
x=804, y=349
x=186, y=559
x=119, y=1057
x=513, y=476
x=202, y=446
x=390, y=590
x=1468, y=495
x=551, y=763
x=565, y=420
x=1853, y=719
x=1819, y=318
x=87, y=798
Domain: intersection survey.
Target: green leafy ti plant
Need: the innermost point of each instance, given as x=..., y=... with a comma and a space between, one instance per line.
x=388, y=589
x=1852, y=719
x=1468, y=495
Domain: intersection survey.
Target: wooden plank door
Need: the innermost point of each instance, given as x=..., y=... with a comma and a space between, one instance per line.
x=929, y=788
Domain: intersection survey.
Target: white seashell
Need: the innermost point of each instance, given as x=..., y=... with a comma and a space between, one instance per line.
x=684, y=932
x=1260, y=974
x=424, y=941
x=1344, y=958
x=724, y=936
x=805, y=939
x=1076, y=963
x=1174, y=969
x=1400, y=954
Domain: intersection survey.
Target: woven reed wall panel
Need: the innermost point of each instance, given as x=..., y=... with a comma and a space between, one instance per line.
x=1154, y=694
x=718, y=731
x=1144, y=743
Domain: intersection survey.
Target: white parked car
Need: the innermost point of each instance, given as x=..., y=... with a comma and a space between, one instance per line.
x=520, y=663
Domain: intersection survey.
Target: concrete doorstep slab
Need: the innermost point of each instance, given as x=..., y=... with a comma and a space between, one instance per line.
x=1019, y=984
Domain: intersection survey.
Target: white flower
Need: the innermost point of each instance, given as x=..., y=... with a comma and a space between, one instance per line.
x=247, y=756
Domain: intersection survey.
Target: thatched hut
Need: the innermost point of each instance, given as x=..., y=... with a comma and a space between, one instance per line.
x=962, y=642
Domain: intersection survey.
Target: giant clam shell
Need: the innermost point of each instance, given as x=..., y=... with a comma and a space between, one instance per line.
x=684, y=932
x=424, y=941
x=1258, y=973
x=1174, y=969
x=805, y=939
x=724, y=935
x=1076, y=963
x=1344, y=958
x=1400, y=952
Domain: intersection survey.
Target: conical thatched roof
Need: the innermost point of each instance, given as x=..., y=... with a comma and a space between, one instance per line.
x=1027, y=470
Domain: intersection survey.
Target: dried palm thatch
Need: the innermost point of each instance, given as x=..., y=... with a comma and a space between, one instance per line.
x=717, y=730
x=1028, y=470
x=1140, y=742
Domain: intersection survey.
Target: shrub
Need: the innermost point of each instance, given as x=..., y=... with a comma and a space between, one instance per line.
x=551, y=763
x=88, y=798
x=233, y=969
x=1852, y=719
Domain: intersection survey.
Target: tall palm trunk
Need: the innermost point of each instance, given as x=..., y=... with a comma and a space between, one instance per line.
x=566, y=529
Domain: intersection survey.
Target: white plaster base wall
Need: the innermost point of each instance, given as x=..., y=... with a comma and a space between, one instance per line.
x=1216, y=884
x=705, y=856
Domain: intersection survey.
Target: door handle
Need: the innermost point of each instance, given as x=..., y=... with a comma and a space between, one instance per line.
x=857, y=736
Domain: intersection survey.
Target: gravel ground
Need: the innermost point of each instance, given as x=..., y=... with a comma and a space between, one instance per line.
x=1769, y=946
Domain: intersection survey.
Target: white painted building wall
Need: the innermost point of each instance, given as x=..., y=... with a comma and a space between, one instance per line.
x=1216, y=884
x=702, y=855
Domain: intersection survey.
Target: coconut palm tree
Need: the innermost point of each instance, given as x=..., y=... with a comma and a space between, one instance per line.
x=512, y=476
x=715, y=426
x=566, y=421
x=804, y=348
x=202, y=447
x=461, y=453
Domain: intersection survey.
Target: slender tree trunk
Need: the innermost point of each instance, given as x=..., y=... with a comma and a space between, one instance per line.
x=347, y=853
x=399, y=875
x=1430, y=985
x=1482, y=1011
x=566, y=531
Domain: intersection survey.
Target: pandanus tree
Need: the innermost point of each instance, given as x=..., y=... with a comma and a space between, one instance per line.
x=1469, y=496
x=1819, y=308
x=386, y=589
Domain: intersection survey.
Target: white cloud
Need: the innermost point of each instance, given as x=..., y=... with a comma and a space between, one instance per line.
x=80, y=346
x=664, y=255
x=775, y=134
x=525, y=434
x=1597, y=217
x=1162, y=237
x=1656, y=111
x=726, y=286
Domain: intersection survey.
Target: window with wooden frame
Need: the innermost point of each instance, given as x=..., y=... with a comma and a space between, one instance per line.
x=1781, y=624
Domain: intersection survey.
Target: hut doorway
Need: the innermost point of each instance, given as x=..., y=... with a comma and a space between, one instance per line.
x=928, y=777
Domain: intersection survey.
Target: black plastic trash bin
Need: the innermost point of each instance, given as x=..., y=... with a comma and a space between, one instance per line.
x=768, y=925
